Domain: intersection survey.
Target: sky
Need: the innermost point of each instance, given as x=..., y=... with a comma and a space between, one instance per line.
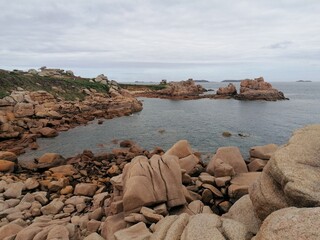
x=151, y=40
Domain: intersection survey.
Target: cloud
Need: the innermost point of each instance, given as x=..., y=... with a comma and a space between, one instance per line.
x=280, y=45
x=109, y=34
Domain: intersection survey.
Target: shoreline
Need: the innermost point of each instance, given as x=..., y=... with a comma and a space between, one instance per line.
x=90, y=194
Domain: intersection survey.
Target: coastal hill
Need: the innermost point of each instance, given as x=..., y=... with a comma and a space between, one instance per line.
x=55, y=81
x=41, y=104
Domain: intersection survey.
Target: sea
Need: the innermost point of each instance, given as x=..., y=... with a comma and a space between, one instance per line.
x=202, y=122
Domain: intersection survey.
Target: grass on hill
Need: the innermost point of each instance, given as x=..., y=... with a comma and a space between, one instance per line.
x=154, y=87
x=66, y=87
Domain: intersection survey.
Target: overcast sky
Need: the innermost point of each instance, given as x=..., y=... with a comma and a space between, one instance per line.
x=130, y=40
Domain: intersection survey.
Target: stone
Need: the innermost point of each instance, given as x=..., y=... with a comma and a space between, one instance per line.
x=222, y=181
x=14, y=190
x=53, y=207
x=31, y=183
x=257, y=165
x=48, y=132
x=58, y=232
x=206, y=178
x=136, y=232
x=7, y=166
x=150, y=215
x=242, y=211
x=66, y=190
x=147, y=183
x=85, y=189
x=291, y=176
x=112, y=224
x=181, y=149
x=9, y=156
x=213, y=189
x=234, y=230
x=228, y=156
x=203, y=226
x=291, y=223
x=23, y=110
x=10, y=230
x=93, y=225
x=49, y=160
x=28, y=233
x=94, y=236
x=240, y=184
x=177, y=227
x=65, y=170
x=263, y=152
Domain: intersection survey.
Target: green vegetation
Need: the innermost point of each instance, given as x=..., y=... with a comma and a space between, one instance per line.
x=154, y=87
x=67, y=87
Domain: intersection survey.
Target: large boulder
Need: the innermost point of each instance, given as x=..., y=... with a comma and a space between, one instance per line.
x=291, y=177
x=9, y=156
x=291, y=223
x=147, y=183
x=243, y=212
x=187, y=160
x=23, y=110
x=49, y=160
x=48, y=132
x=203, y=226
x=225, y=158
x=182, y=89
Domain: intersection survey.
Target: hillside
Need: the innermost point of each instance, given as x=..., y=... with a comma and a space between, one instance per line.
x=66, y=86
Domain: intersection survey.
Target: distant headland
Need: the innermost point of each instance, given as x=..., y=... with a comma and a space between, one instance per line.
x=231, y=80
x=304, y=81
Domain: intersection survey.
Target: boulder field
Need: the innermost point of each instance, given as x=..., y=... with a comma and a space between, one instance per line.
x=132, y=193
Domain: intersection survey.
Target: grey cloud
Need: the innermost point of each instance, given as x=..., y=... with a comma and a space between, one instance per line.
x=280, y=45
x=159, y=34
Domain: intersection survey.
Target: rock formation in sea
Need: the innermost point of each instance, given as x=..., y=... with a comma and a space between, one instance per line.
x=230, y=90
x=258, y=89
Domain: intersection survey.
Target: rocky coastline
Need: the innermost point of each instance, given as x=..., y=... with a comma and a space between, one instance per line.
x=26, y=115
x=133, y=193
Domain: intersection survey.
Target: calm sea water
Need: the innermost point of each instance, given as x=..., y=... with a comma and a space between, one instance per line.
x=201, y=122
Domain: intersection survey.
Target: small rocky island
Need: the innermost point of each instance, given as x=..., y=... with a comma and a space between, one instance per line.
x=252, y=89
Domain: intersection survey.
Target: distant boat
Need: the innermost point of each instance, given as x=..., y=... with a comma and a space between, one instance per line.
x=304, y=81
